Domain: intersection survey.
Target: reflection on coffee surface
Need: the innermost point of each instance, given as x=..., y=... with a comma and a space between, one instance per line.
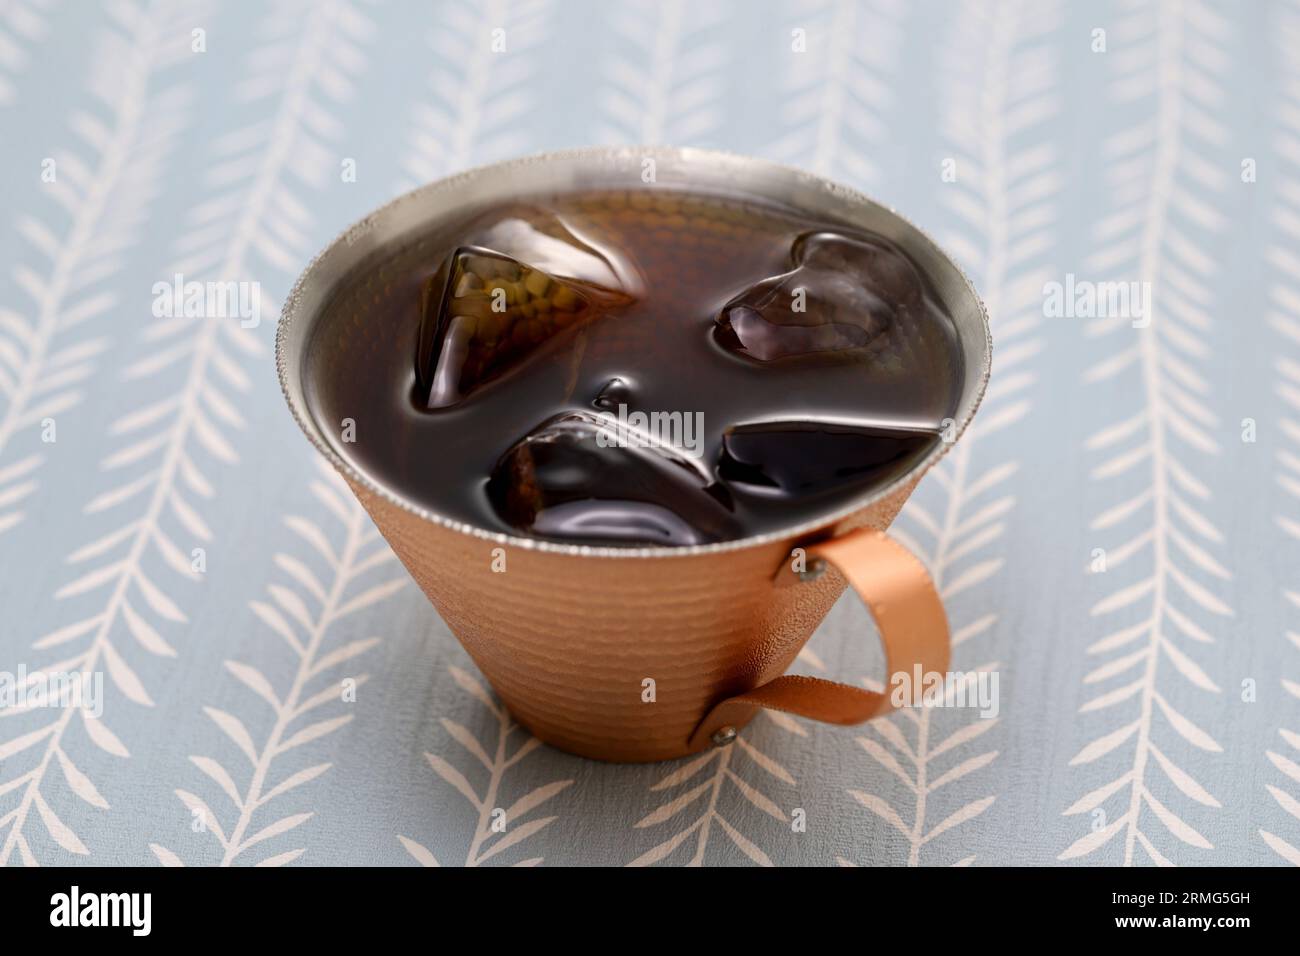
x=638, y=368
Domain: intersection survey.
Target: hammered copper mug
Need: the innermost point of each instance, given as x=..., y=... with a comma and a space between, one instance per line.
x=574, y=638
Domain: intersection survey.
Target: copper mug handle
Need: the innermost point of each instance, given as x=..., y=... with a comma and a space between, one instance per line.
x=902, y=599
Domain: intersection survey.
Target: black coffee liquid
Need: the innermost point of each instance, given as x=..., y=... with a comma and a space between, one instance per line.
x=636, y=368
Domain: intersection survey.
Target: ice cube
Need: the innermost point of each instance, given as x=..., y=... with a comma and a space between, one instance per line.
x=522, y=283
x=584, y=476
x=788, y=460
x=565, y=248
x=845, y=292
x=482, y=314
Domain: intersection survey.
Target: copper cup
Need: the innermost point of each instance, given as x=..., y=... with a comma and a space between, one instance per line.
x=638, y=654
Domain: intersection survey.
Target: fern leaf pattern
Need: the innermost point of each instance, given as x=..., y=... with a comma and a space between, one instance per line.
x=170, y=441
x=105, y=184
x=334, y=577
x=705, y=795
x=497, y=828
x=955, y=523
x=1284, y=317
x=838, y=91
x=1166, y=196
x=664, y=74
x=107, y=198
x=483, y=53
x=23, y=23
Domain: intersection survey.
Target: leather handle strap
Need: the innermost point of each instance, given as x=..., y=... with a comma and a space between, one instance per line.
x=898, y=591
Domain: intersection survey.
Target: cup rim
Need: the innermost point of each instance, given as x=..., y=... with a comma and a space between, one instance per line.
x=294, y=312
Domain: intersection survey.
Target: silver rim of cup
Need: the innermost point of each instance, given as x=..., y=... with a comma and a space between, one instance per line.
x=413, y=213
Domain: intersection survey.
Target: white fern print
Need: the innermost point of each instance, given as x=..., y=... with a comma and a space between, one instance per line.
x=664, y=75
x=1165, y=192
x=1005, y=192
x=925, y=766
x=313, y=616
x=708, y=796
x=497, y=828
x=837, y=92
x=485, y=61
x=1284, y=317
x=22, y=23
x=107, y=198
x=252, y=218
x=104, y=185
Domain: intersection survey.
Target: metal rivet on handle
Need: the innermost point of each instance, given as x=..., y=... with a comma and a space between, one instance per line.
x=723, y=736
x=814, y=570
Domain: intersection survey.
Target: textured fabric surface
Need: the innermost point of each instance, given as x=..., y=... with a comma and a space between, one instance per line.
x=298, y=701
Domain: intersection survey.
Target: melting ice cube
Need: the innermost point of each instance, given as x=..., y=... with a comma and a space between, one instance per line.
x=521, y=284
x=584, y=476
x=793, y=459
x=845, y=292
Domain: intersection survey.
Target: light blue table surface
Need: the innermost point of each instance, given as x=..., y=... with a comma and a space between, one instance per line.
x=1147, y=713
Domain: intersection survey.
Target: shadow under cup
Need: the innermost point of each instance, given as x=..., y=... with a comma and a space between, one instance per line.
x=620, y=653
